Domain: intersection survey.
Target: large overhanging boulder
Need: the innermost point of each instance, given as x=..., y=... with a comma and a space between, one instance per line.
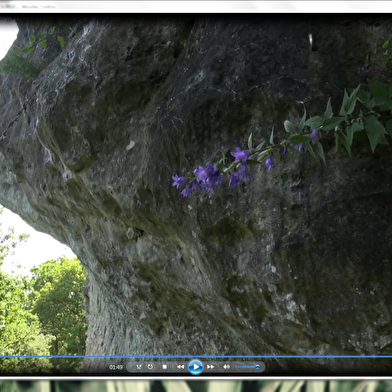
x=297, y=262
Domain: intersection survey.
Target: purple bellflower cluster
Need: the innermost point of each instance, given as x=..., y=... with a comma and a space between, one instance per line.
x=209, y=177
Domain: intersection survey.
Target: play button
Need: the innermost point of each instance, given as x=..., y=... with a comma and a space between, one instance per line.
x=195, y=367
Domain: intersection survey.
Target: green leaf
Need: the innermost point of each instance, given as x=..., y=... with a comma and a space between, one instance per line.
x=52, y=29
x=363, y=96
x=318, y=148
x=388, y=63
x=298, y=139
x=223, y=159
x=260, y=146
x=253, y=162
x=350, y=133
x=356, y=125
x=32, y=38
x=328, y=111
x=346, y=98
x=250, y=144
x=385, y=44
x=371, y=104
x=302, y=123
x=28, y=49
x=344, y=140
x=349, y=101
x=341, y=138
x=382, y=92
x=61, y=42
x=288, y=126
x=375, y=131
x=350, y=104
x=42, y=36
x=272, y=137
x=263, y=154
x=389, y=127
x=309, y=147
x=353, y=100
x=331, y=123
x=314, y=122
x=43, y=44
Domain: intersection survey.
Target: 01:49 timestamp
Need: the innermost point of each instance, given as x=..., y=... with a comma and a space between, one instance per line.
x=116, y=367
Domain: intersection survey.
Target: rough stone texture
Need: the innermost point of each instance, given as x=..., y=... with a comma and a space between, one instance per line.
x=298, y=262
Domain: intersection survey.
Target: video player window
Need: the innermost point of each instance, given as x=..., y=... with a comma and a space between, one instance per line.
x=223, y=183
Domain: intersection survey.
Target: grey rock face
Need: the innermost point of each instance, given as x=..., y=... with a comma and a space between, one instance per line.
x=298, y=262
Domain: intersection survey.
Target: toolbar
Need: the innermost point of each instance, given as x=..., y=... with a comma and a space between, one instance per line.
x=193, y=366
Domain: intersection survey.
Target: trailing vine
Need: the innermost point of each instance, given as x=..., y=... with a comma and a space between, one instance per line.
x=365, y=111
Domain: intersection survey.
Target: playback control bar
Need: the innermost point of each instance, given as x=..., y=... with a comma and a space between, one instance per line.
x=194, y=366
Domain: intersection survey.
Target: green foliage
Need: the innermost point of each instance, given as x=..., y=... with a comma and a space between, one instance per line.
x=298, y=139
x=382, y=55
x=61, y=42
x=9, y=240
x=362, y=110
x=41, y=316
x=20, y=332
x=62, y=30
x=288, y=126
x=16, y=63
x=58, y=302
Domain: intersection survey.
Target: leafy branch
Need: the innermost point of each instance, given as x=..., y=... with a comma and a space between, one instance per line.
x=42, y=39
x=365, y=111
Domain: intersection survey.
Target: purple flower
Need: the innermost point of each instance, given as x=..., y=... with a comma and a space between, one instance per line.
x=299, y=147
x=269, y=162
x=189, y=189
x=235, y=179
x=208, y=177
x=179, y=181
x=214, y=177
x=314, y=135
x=364, y=72
x=201, y=173
x=240, y=155
x=244, y=173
